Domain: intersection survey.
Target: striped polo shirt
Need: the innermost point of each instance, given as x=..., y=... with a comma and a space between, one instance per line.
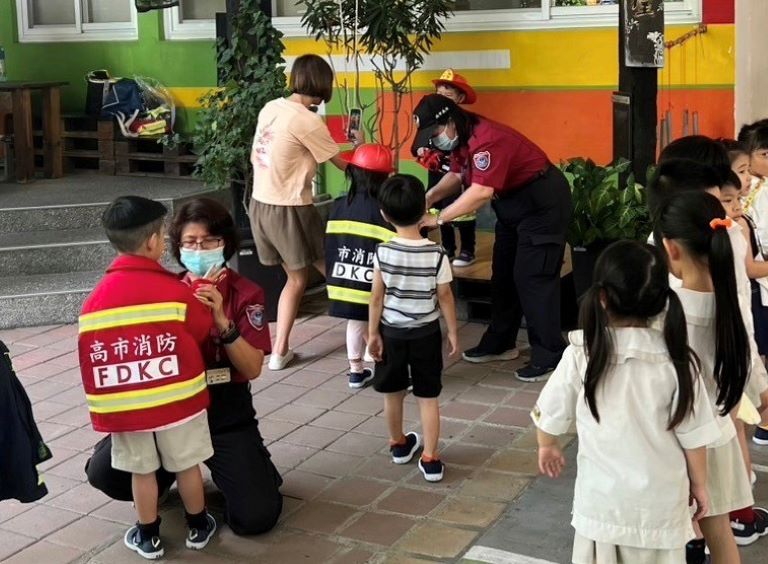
x=411, y=270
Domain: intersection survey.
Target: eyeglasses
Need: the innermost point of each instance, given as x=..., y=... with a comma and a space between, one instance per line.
x=206, y=243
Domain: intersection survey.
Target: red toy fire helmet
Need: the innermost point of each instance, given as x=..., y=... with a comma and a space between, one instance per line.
x=454, y=79
x=371, y=156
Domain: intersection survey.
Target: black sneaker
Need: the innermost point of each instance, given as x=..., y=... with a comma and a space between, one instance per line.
x=432, y=470
x=465, y=258
x=747, y=533
x=197, y=539
x=478, y=355
x=695, y=552
x=151, y=548
x=534, y=373
x=360, y=379
x=760, y=437
x=402, y=454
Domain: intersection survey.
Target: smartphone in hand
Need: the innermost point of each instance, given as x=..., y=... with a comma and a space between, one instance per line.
x=354, y=122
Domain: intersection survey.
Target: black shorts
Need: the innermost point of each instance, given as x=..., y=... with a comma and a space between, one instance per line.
x=415, y=351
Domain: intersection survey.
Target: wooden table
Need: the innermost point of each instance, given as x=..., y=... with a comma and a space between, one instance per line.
x=21, y=96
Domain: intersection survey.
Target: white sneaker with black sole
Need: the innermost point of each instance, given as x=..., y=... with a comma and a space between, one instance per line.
x=151, y=548
x=198, y=539
x=402, y=454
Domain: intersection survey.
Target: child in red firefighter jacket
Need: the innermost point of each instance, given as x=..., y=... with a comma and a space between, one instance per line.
x=143, y=373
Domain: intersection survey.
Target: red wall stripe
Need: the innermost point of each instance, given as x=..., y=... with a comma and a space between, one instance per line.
x=718, y=11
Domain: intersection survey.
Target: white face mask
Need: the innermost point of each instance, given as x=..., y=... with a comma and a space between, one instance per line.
x=445, y=143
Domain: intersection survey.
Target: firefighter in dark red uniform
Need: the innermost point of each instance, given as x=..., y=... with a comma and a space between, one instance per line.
x=532, y=202
x=233, y=350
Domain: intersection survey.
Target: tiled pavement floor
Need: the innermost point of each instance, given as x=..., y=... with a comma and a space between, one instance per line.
x=345, y=501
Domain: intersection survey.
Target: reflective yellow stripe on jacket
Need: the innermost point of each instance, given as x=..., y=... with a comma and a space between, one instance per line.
x=348, y=295
x=133, y=315
x=345, y=227
x=144, y=399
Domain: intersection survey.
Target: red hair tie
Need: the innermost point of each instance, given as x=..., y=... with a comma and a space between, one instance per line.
x=718, y=223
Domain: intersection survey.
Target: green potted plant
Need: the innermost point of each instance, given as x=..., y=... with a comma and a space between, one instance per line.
x=605, y=209
x=396, y=35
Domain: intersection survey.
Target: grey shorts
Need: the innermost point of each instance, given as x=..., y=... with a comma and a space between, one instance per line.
x=289, y=235
x=176, y=449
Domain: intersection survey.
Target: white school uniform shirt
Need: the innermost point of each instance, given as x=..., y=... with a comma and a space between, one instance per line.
x=758, y=376
x=699, y=308
x=756, y=205
x=632, y=483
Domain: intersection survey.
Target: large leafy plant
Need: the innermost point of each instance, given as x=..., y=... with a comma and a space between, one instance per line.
x=251, y=72
x=604, y=207
x=395, y=35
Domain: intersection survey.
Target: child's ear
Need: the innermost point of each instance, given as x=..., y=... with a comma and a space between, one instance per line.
x=672, y=248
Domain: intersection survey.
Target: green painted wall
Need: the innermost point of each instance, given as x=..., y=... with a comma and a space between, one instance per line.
x=174, y=63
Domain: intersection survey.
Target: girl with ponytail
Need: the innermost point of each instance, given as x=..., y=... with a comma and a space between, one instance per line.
x=694, y=230
x=642, y=415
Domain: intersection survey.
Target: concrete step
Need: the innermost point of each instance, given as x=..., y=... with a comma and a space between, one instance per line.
x=52, y=252
x=44, y=299
x=51, y=218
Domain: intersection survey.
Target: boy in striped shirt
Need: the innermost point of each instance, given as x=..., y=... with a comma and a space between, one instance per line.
x=411, y=287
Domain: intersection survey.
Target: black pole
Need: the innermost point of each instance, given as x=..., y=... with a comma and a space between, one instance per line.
x=641, y=85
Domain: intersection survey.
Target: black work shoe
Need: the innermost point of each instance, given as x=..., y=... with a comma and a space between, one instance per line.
x=747, y=533
x=694, y=552
x=197, y=539
x=760, y=437
x=534, y=373
x=478, y=355
x=150, y=548
x=402, y=454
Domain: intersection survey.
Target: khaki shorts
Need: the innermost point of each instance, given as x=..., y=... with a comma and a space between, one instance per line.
x=289, y=235
x=176, y=449
x=587, y=551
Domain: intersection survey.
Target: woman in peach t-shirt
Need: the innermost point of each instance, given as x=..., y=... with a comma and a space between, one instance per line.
x=289, y=143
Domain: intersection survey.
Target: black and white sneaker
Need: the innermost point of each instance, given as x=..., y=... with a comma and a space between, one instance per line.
x=432, y=470
x=748, y=533
x=402, y=454
x=360, y=379
x=151, y=548
x=760, y=437
x=477, y=355
x=198, y=539
x=534, y=373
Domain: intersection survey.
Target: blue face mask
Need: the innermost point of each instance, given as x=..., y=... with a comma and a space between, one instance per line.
x=445, y=143
x=200, y=262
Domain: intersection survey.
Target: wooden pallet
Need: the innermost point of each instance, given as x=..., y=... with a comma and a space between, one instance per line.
x=147, y=157
x=88, y=144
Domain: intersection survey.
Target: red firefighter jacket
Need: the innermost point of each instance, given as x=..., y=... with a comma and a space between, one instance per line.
x=139, y=347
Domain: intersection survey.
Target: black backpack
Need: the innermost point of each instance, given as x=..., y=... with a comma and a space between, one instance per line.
x=21, y=446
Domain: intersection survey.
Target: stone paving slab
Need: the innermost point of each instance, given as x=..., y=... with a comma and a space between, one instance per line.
x=345, y=502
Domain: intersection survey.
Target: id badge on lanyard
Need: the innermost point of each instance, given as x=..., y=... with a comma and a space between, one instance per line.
x=221, y=374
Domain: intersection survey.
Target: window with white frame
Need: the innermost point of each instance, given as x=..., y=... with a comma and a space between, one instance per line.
x=194, y=19
x=76, y=20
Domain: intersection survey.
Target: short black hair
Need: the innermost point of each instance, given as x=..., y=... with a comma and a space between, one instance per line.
x=311, y=75
x=402, y=199
x=733, y=181
x=129, y=221
x=680, y=175
x=754, y=137
x=702, y=149
x=214, y=216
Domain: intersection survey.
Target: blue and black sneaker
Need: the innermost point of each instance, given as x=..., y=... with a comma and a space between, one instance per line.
x=402, y=454
x=360, y=379
x=198, y=538
x=760, y=437
x=150, y=547
x=432, y=469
